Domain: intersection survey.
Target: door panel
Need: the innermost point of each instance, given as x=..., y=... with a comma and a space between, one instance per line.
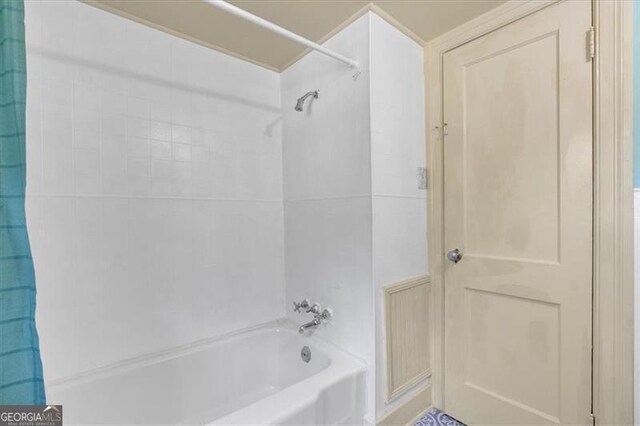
x=518, y=204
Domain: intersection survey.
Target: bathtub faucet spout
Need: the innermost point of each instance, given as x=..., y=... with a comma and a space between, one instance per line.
x=318, y=318
x=311, y=324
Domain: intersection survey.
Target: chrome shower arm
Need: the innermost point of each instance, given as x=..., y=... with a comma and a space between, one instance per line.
x=300, y=103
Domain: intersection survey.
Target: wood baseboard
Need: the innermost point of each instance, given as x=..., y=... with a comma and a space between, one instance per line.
x=409, y=412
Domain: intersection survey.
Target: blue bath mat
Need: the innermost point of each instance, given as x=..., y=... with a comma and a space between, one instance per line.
x=436, y=417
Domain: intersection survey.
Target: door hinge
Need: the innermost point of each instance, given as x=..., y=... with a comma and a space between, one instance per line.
x=591, y=43
x=593, y=418
x=441, y=130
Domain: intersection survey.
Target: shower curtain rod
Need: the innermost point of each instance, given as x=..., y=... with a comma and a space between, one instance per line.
x=220, y=4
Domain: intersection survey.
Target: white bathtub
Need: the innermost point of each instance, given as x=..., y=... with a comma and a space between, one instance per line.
x=256, y=377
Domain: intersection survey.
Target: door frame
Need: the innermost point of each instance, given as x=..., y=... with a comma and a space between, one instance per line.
x=613, y=318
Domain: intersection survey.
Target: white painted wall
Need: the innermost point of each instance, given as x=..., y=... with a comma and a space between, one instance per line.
x=636, y=310
x=154, y=188
x=398, y=149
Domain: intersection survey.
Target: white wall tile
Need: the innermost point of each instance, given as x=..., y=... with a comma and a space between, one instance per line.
x=113, y=124
x=87, y=162
x=181, y=134
x=160, y=131
x=86, y=139
x=396, y=157
x=159, y=149
x=328, y=249
x=327, y=146
x=86, y=97
x=399, y=253
x=400, y=234
x=327, y=187
x=138, y=147
x=397, y=110
x=127, y=263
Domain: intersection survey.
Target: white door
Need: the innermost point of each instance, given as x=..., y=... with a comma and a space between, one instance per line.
x=518, y=206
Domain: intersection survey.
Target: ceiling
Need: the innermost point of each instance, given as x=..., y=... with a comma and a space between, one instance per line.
x=313, y=19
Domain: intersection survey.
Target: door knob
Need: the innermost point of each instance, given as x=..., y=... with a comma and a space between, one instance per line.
x=454, y=255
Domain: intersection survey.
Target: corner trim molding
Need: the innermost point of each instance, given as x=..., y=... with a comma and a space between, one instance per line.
x=369, y=7
x=395, y=23
x=351, y=19
x=613, y=337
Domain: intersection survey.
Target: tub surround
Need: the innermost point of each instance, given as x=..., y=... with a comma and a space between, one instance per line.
x=355, y=219
x=327, y=187
x=154, y=188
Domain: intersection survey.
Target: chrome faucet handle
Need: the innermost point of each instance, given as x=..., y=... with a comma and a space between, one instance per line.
x=315, y=309
x=326, y=315
x=301, y=305
x=318, y=318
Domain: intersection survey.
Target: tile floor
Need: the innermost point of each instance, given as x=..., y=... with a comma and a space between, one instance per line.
x=436, y=417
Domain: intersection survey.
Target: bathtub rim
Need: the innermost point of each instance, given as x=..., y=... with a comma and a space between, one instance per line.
x=149, y=359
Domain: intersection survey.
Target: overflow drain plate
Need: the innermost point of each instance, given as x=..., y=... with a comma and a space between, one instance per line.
x=305, y=354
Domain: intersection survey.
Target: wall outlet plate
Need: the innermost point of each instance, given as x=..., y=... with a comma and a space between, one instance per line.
x=421, y=175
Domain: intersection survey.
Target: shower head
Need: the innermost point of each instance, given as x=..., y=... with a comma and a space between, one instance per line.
x=300, y=103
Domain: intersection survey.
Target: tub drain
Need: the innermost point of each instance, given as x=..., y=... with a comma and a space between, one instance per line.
x=305, y=353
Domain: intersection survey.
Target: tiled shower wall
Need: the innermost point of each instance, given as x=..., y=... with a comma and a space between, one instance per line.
x=327, y=187
x=327, y=191
x=154, y=188
x=397, y=151
x=355, y=218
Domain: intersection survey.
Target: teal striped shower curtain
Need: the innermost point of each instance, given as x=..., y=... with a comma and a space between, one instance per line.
x=21, y=380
